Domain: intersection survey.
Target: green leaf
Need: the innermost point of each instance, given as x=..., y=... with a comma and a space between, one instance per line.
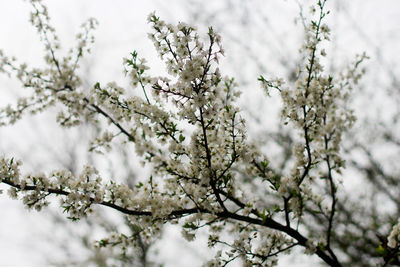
x=103, y=243
x=277, y=208
x=263, y=215
x=381, y=250
x=265, y=164
x=190, y=225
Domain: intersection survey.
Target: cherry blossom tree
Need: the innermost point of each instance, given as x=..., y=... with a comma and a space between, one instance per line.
x=188, y=129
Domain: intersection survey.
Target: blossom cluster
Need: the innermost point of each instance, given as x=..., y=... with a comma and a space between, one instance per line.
x=393, y=239
x=317, y=106
x=58, y=82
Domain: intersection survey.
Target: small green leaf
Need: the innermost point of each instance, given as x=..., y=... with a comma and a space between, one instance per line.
x=263, y=215
x=381, y=250
x=190, y=225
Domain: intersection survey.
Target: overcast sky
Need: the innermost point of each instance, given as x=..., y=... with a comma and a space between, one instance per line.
x=362, y=25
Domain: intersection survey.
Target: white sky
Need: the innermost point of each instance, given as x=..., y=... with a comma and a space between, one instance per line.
x=366, y=25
